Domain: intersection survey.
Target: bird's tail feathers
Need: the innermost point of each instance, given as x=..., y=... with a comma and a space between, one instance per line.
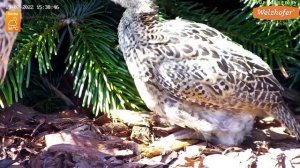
x=283, y=113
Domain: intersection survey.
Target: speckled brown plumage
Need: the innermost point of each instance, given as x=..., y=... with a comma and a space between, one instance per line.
x=196, y=77
x=6, y=38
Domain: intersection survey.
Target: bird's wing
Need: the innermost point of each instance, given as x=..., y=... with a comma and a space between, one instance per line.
x=203, y=66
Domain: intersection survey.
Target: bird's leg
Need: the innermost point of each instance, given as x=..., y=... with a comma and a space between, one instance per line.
x=178, y=139
x=183, y=134
x=164, y=131
x=173, y=142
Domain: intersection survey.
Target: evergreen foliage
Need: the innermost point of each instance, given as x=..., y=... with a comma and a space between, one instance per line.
x=83, y=33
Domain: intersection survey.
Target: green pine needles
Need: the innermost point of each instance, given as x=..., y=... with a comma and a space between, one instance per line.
x=100, y=75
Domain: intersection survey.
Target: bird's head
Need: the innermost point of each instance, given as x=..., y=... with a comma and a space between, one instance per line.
x=133, y=3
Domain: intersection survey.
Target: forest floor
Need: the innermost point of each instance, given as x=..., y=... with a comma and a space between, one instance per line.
x=72, y=139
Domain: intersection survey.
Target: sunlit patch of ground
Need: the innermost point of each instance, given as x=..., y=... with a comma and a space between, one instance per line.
x=71, y=139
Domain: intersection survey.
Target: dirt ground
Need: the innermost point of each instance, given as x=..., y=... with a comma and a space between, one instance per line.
x=72, y=139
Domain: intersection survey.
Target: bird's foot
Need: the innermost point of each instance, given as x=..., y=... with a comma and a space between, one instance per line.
x=173, y=142
x=131, y=117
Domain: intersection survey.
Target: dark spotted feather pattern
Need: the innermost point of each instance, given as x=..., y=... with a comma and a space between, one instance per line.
x=197, y=77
